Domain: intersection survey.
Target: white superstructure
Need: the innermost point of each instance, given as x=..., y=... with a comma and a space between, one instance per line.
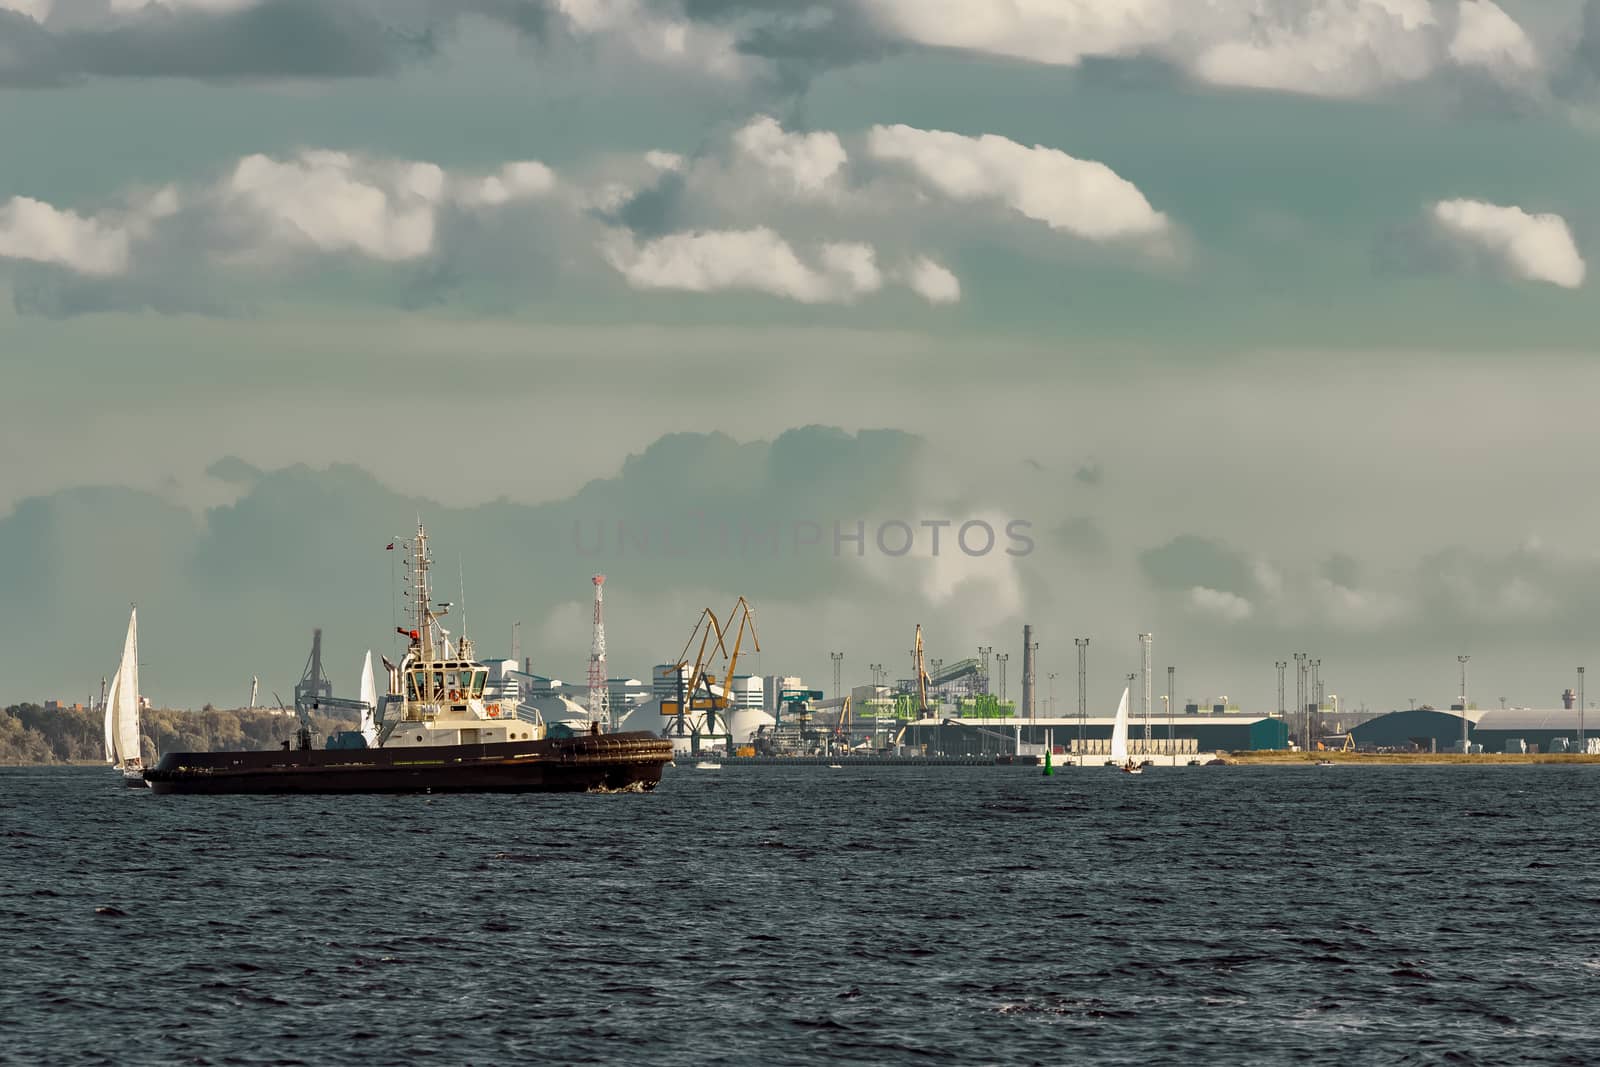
x=436, y=694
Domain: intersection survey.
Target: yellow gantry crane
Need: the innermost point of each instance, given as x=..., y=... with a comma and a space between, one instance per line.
x=924, y=711
x=699, y=696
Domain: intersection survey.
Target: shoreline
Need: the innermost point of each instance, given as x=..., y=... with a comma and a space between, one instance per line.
x=1401, y=759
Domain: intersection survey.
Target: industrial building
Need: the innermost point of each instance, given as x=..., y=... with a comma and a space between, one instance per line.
x=1422, y=729
x=1209, y=733
x=1537, y=730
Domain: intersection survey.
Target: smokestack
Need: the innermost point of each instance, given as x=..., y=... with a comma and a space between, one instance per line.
x=1028, y=646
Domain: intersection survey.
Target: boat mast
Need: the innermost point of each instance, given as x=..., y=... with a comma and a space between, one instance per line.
x=422, y=595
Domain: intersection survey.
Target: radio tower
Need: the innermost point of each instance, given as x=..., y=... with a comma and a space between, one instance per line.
x=599, y=692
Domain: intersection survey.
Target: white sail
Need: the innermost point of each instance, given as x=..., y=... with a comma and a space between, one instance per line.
x=122, y=705
x=369, y=697
x=111, y=721
x=1119, y=732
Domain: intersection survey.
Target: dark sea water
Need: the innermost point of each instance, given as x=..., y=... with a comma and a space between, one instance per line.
x=806, y=916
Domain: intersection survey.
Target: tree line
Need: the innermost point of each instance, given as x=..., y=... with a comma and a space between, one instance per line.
x=31, y=734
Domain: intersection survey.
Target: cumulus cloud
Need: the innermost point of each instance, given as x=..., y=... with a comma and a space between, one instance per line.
x=38, y=10
x=321, y=200
x=97, y=245
x=932, y=281
x=658, y=33
x=1229, y=607
x=803, y=163
x=33, y=230
x=178, y=248
x=759, y=260
x=1536, y=247
x=1354, y=608
x=515, y=181
x=1338, y=48
x=1039, y=30
x=1081, y=197
x=1489, y=38
x=382, y=209
x=1335, y=48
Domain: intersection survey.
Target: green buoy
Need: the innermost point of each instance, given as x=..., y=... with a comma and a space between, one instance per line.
x=1049, y=768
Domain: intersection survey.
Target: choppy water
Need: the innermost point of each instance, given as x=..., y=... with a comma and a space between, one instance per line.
x=874, y=915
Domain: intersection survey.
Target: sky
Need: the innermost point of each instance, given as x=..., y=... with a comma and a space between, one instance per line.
x=1264, y=326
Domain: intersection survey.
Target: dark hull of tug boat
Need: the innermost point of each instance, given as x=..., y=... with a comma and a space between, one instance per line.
x=630, y=761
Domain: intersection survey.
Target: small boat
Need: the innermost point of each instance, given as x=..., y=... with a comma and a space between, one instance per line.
x=1324, y=763
x=123, y=732
x=1119, y=741
x=835, y=767
x=708, y=765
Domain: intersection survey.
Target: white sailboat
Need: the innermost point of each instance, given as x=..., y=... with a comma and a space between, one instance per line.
x=369, y=697
x=122, y=711
x=1119, y=739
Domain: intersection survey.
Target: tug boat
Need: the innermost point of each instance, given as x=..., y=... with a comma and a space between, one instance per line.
x=433, y=732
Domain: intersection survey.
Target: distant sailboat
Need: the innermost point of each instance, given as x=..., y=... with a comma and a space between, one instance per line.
x=369, y=697
x=1119, y=739
x=122, y=711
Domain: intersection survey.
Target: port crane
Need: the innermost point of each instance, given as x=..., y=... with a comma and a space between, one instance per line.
x=314, y=692
x=709, y=631
x=924, y=711
x=699, y=695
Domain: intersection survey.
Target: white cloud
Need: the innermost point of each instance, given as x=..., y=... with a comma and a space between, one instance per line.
x=382, y=209
x=706, y=261
x=1338, y=48
x=1267, y=577
x=1335, y=48
x=1487, y=37
x=1229, y=607
x=668, y=161
x=38, y=10
x=1536, y=247
x=932, y=281
x=515, y=181
x=326, y=201
x=1043, y=31
x=855, y=262
x=651, y=34
x=1076, y=196
x=1356, y=609
x=803, y=163
x=34, y=230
